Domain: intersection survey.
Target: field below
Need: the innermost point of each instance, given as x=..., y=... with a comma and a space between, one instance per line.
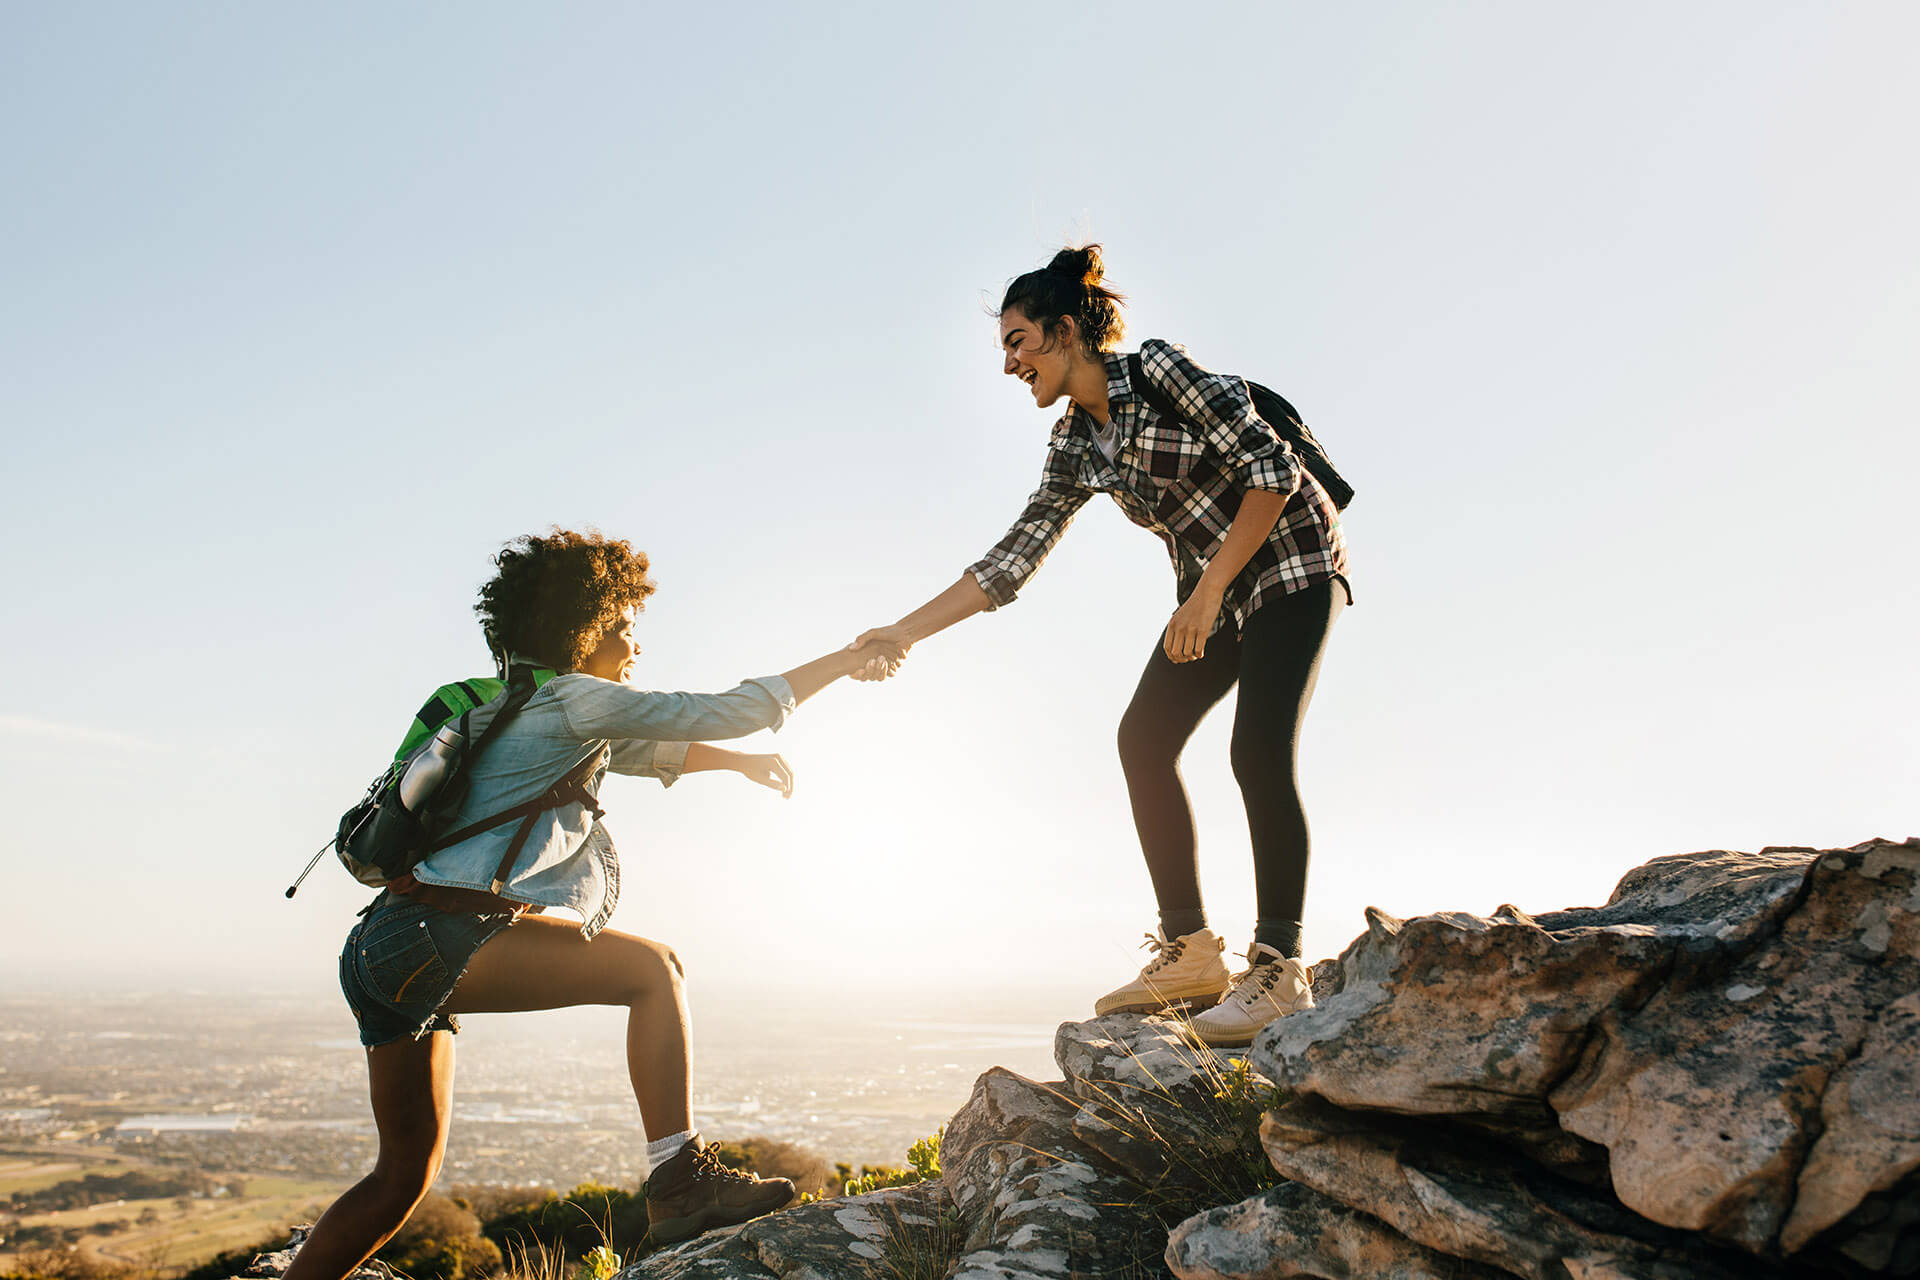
x=157, y=1235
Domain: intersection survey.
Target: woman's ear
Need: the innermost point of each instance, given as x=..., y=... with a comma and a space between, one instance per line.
x=1066, y=329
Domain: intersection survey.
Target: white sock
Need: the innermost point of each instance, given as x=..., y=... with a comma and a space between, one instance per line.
x=661, y=1150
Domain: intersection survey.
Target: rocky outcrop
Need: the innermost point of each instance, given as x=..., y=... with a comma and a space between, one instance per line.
x=1291, y=1230
x=1080, y=1176
x=1150, y=1102
x=857, y=1238
x=1714, y=1076
x=270, y=1266
x=1036, y=1199
x=1471, y=1201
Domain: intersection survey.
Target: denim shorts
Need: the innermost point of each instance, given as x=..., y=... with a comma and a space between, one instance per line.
x=401, y=962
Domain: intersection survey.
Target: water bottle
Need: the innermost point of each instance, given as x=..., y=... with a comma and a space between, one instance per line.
x=430, y=768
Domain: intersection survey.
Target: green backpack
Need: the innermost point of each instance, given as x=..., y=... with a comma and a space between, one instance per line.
x=404, y=815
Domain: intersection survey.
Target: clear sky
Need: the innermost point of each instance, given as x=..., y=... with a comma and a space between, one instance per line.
x=1609, y=312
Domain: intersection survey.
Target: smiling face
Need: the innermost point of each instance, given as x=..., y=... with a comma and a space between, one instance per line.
x=1041, y=362
x=613, y=657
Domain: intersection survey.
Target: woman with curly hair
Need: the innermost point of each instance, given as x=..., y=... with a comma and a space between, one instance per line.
x=463, y=931
x=1259, y=563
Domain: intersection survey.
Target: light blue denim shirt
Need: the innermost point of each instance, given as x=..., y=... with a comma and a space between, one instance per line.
x=568, y=860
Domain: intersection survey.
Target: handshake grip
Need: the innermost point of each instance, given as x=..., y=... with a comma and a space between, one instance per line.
x=878, y=653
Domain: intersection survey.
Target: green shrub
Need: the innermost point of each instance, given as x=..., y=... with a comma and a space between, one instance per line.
x=923, y=1165
x=441, y=1241
x=572, y=1225
x=599, y=1264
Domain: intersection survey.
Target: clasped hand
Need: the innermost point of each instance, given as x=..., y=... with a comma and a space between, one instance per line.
x=884, y=649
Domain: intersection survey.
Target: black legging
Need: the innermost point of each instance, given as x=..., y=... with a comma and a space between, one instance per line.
x=1275, y=661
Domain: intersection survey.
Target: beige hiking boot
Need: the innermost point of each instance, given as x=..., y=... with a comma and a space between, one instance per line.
x=1272, y=986
x=694, y=1192
x=1186, y=971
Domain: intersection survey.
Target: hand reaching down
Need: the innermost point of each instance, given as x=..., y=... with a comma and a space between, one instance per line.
x=1192, y=623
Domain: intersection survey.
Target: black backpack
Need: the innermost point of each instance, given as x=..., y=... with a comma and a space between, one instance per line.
x=1276, y=413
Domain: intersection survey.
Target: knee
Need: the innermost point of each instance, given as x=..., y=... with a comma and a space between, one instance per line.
x=656, y=969
x=403, y=1178
x=1261, y=759
x=1144, y=745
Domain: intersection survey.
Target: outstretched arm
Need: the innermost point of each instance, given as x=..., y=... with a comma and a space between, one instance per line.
x=998, y=576
x=604, y=709
x=958, y=602
x=769, y=770
x=810, y=678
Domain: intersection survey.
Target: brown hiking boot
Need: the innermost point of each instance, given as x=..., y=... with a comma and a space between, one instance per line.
x=694, y=1192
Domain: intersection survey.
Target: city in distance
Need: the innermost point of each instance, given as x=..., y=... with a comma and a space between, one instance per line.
x=255, y=1106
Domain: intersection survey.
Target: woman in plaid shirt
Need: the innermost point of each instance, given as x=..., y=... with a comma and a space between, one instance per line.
x=1259, y=561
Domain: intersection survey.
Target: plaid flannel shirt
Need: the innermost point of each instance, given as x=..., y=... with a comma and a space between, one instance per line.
x=1182, y=480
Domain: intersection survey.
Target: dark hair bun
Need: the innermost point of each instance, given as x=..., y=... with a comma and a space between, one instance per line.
x=1070, y=285
x=1084, y=265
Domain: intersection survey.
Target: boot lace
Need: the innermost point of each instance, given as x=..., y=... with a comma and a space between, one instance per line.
x=1164, y=952
x=1258, y=981
x=707, y=1164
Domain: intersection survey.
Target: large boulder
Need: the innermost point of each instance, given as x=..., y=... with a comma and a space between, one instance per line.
x=1038, y=1201
x=855, y=1238
x=1480, y=1016
x=1728, y=1048
x=1468, y=1200
x=1711, y=1095
x=1162, y=1108
x=1291, y=1230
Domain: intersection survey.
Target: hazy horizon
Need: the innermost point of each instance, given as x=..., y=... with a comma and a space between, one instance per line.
x=540, y=1097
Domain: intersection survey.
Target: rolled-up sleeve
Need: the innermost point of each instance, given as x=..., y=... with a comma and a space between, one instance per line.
x=645, y=758
x=1220, y=410
x=597, y=708
x=1005, y=569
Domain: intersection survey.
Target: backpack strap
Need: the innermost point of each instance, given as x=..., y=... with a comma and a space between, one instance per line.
x=572, y=787
x=520, y=689
x=1289, y=428
x=1162, y=403
x=1281, y=416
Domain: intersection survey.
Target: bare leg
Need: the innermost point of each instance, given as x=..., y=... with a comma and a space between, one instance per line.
x=546, y=964
x=412, y=1086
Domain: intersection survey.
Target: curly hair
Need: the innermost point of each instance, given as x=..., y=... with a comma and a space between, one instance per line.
x=555, y=596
